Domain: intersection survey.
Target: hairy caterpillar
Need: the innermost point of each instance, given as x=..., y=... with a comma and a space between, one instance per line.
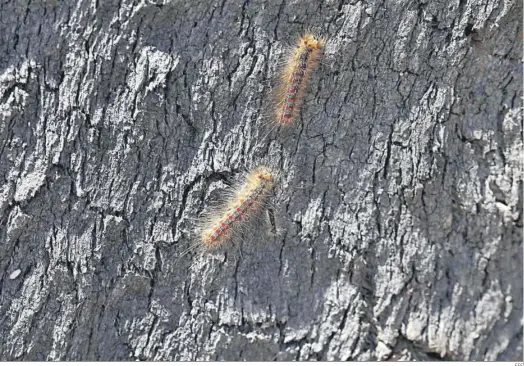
x=230, y=219
x=300, y=62
x=245, y=202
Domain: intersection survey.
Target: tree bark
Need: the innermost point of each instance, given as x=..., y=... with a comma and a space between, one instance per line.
x=398, y=206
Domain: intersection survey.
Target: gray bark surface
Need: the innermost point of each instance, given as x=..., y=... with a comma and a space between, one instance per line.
x=398, y=209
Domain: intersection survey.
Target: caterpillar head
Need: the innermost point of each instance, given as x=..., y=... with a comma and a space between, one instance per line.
x=265, y=174
x=314, y=42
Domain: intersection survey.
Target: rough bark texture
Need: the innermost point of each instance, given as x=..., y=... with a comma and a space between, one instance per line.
x=398, y=207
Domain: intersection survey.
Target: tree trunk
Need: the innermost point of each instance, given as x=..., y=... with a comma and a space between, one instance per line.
x=398, y=208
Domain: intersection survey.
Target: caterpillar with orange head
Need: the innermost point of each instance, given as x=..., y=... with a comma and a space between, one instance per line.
x=300, y=62
x=245, y=202
x=229, y=220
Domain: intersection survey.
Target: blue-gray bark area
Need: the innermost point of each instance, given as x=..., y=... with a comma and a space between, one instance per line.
x=398, y=208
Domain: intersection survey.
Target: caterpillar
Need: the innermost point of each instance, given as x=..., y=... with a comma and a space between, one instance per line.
x=245, y=202
x=300, y=62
